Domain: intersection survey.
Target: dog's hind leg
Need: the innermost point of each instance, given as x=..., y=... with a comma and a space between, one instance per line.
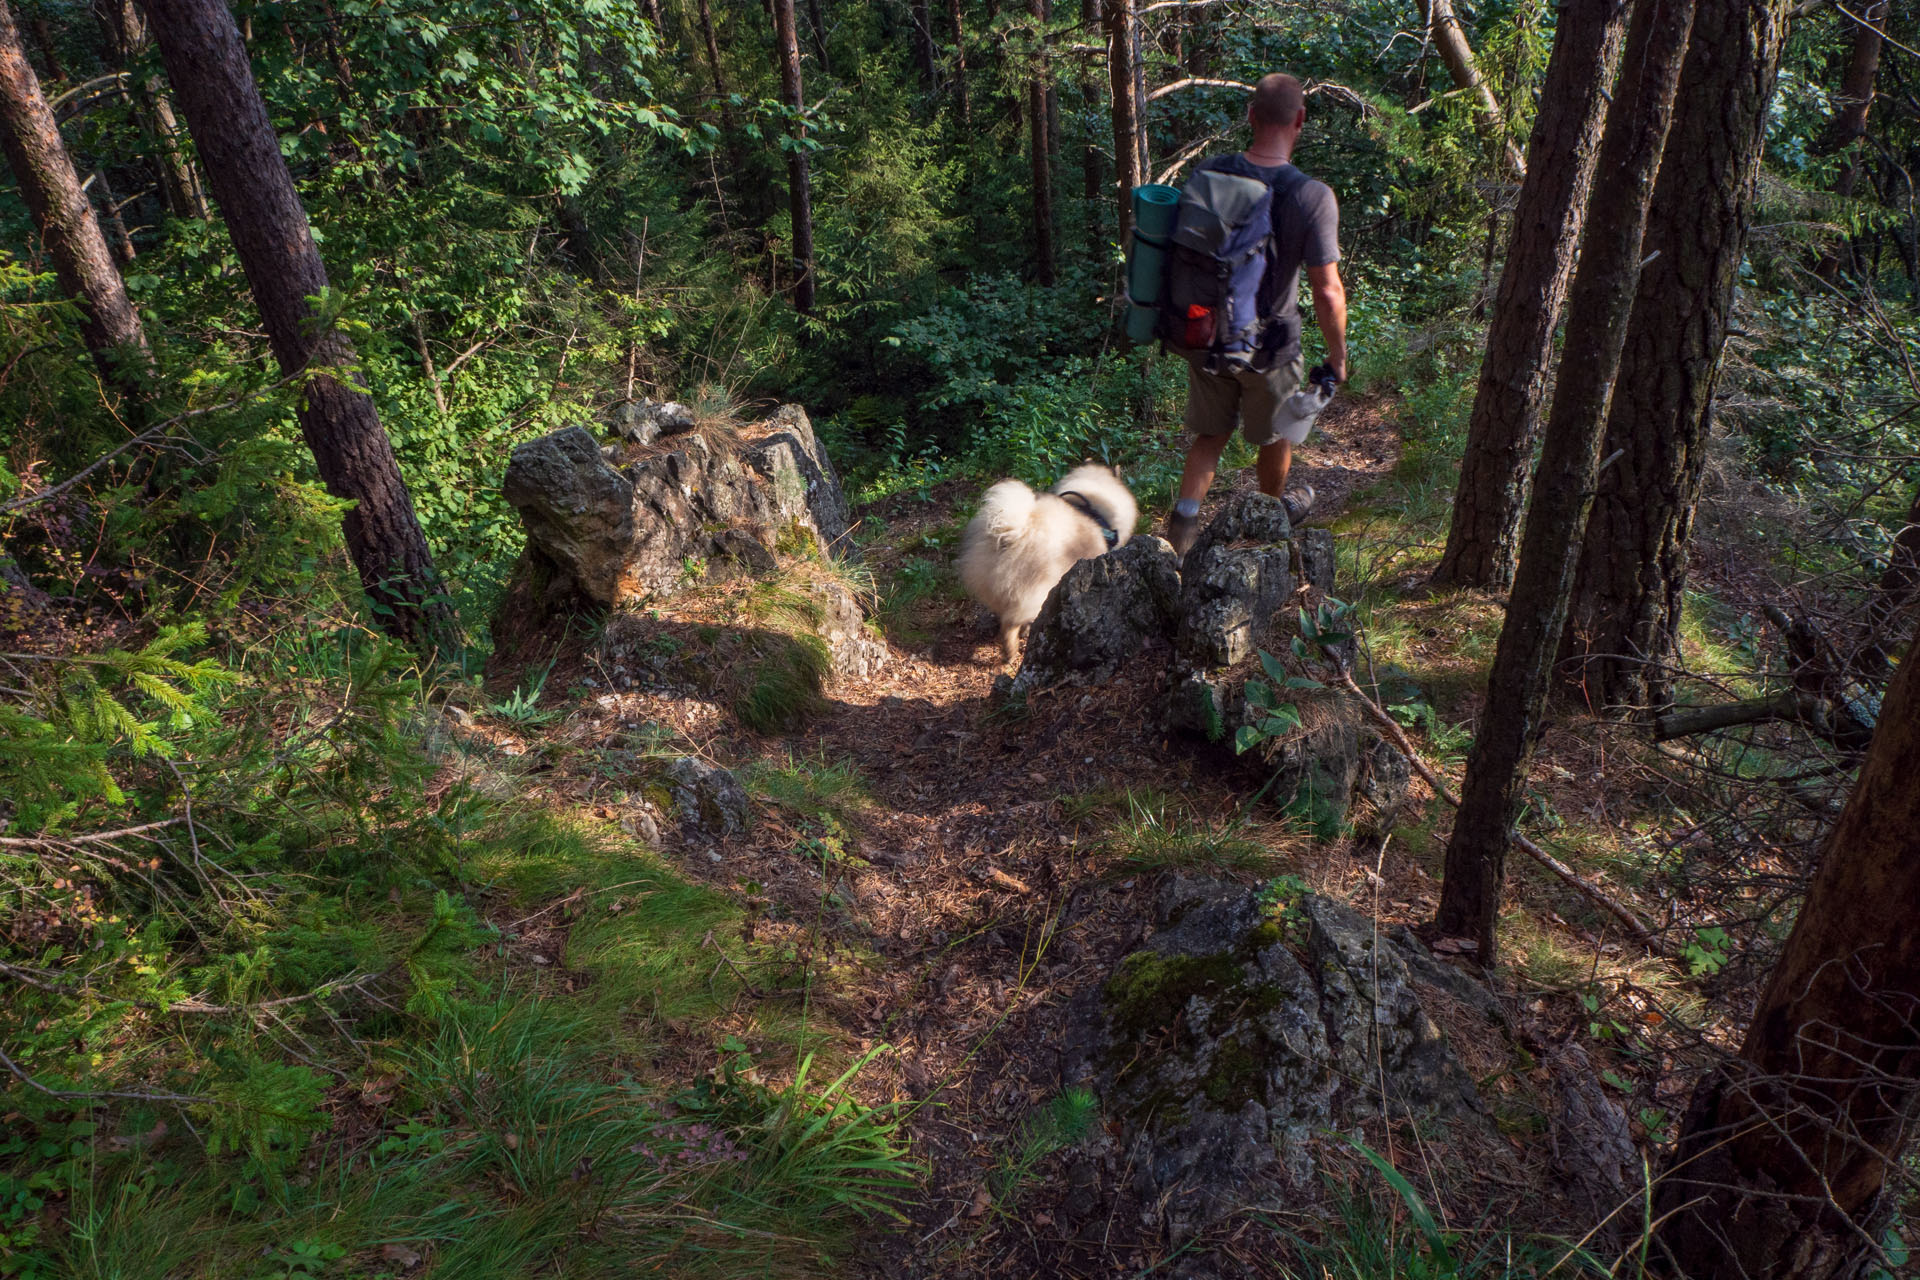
x=1010, y=641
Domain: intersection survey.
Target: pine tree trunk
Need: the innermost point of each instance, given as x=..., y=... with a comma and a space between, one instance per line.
x=213, y=79
x=922, y=23
x=1139, y=64
x=1598, y=306
x=1443, y=27
x=1849, y=124
x=959, y=32
x=64, y=218
x=1505, y=425
x=817, y=22
x=1623, y=623
x=736, y=162
x=1781, y=1169
x=180, y=184
x=1042, y=164
x=799, y=184
x=1120, y=81
x=1090, y=168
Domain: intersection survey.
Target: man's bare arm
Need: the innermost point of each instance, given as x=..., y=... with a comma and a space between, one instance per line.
x=1330, y=309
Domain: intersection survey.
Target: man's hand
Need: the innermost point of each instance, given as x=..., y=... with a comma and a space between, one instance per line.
x=1330, y=309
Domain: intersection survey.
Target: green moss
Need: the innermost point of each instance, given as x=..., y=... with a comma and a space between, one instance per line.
x=1235, y=1078
x=1148, y=990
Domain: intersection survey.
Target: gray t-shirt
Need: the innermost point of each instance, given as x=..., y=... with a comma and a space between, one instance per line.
x=1306, y=232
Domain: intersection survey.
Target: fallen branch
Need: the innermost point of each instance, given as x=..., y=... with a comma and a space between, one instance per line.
x=97, y=837
x=84, y=1095
x=1792, y=704
x=1398, y=736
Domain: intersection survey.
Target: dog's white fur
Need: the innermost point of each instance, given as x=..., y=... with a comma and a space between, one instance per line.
x=1021, y=543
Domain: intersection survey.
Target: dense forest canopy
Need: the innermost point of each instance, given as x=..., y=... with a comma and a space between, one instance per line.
x=355, y=918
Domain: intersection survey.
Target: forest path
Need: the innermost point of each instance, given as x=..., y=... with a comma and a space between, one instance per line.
x=982, y=873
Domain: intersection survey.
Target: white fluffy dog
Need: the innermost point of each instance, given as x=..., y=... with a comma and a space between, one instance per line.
x=1021, y=543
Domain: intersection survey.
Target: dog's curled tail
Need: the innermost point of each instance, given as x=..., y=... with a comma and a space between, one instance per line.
x=1005, y=511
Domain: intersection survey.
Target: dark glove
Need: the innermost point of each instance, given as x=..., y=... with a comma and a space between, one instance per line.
x=1322, y=375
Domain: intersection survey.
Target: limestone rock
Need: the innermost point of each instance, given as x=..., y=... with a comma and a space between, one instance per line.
x=708, y=799
x=606, y=534
x=1235, y=578
x=644, y=421
x=1262, y=1031
x=804, y=482
x=1104, y=611
x=1385, y=778
x=855, y=652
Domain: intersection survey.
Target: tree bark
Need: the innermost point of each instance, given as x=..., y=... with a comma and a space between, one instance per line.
x=1601, y=299
x=213, y=79
x=180, y=184
x=1090, y=168
x=1451, y=41
x=817, y=22
x=922, y=23
x=958, y=27
x=64, y=218
x=1042, y=161
x=1849, y=124
x=1780, y=1169
x=799, y=184
x=1623, y=623
x=1120, y=83
x=1505, y=426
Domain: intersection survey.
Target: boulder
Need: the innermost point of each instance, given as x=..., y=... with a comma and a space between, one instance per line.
x=804, y=482
x=1103, y=612
x=645, y=421
x=607, y=533
x=708, y=799
x=1237, y=1033
x=1235, y=579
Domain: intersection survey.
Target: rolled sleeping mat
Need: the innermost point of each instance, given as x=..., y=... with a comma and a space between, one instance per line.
x=1140, y=321
x=1155, y=207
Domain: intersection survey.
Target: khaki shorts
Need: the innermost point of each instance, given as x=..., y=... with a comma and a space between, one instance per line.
x=1217, y=401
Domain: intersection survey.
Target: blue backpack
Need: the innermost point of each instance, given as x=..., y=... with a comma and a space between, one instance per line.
x=1217, y=297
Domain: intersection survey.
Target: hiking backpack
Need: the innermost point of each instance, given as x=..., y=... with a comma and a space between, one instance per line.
x=1217, y=294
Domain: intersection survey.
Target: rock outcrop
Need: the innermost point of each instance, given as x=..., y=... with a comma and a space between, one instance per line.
x=708, y=799
x=1104, y=611
x=644, y=421
x=606, y=532
x=1239, y=1032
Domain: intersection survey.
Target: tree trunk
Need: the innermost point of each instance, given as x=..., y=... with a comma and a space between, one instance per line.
x=735, y=161
x=1598, y=306
x=1623, y=624
x=1126, y=147
x=922, y=23
x=959, y=31
x=817, y=22
x=180, y=184
x=1505, y=425
x=1090, y=170
x=1138, y=61
x=1451, y=41
x=1780, y=1172
x=1893, y=596
x=213, y=79
x=1849, y=123
x=64, y=218
x=799, y=185
x=1042, y=162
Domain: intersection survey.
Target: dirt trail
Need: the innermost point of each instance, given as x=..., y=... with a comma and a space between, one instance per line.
x=981, y=894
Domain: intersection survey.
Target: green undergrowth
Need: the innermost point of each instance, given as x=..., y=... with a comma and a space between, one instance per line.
x=361, y=1011
x=1148, y=830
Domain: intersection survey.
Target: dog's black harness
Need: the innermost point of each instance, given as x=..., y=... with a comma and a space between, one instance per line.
x=1086, y=508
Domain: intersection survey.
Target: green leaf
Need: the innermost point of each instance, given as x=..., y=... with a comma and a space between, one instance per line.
x=1260, y=694
x=1246, y=738
x=1271, y=665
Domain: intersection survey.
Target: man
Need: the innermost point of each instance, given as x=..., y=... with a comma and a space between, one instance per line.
x=1306, y=232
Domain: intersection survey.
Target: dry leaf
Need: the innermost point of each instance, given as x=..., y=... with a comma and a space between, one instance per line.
x=982, y=1198
x=398, y=1254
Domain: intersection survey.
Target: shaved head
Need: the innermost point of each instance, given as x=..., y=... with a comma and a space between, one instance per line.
x=1277, y=100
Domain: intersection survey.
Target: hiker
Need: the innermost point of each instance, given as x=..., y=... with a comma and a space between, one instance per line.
x=1254, y=389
